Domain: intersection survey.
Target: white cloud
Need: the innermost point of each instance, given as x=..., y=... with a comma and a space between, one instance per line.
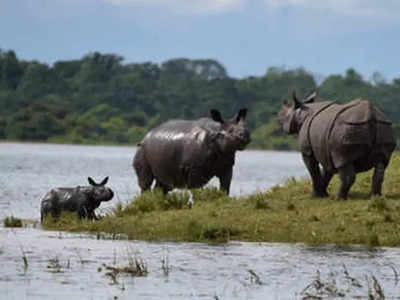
x=362, y=8
x=184, y=6
x=357, y=8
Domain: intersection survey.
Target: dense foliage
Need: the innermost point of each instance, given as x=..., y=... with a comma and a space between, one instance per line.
x=99, y=99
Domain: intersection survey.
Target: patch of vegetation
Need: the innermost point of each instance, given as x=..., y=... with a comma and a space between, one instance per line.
x=284, y=213
x=212, y=232
x=24, y=258
x=155, y=201
x=342, y=285
x=259, y=201
x=136, y=267
x=54, y=265
x=12, y=222
x=66, y=221
x=254, y=278
x=165, y=266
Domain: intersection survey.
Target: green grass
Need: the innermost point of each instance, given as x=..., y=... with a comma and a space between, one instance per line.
x=282, y=214
x=12, y=222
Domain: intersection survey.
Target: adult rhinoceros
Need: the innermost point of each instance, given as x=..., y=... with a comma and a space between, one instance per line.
x=342, y=138
x=181, y=153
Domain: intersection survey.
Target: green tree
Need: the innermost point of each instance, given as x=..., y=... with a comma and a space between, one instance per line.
x=38, y=80
x=11, y=70
x=99, y=99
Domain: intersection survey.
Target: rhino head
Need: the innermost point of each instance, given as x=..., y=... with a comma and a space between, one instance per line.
x=98, y=192
x=232, y=134
x=292, y=117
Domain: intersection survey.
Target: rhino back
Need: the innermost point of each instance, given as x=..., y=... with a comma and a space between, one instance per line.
x=71, y=199
x=340, y=134
x=364, y=124
x=177, y=146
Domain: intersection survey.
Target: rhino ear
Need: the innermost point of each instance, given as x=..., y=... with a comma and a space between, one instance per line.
x=241, y=116
x=297, y=103
x=216, y=116
x=311, y=98
x=91, y=181
x=104, y=181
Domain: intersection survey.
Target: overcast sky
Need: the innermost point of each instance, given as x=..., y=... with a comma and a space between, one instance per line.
x=246, y=36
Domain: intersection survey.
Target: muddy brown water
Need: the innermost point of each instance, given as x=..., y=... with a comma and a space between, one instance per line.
x=39, y=264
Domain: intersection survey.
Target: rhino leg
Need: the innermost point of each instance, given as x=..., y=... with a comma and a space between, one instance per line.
x=162, y=186
x=89, y=214
x=347, y=176
x=45, y=209
x=143, y=171
x=326, y=177
x=50, y=205
x=377, y=179
x=225, y=180
x=319, y=183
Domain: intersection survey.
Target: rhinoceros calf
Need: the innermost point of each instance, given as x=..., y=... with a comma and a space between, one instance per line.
x=187, y=154
x=342, y=138
x=81, y=199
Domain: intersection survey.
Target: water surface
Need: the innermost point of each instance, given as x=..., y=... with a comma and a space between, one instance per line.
x=68, y=266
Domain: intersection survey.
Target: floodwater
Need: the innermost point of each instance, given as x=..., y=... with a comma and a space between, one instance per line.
x=39, y=264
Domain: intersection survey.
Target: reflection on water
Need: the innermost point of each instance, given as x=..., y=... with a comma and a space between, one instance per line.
x=71, y=266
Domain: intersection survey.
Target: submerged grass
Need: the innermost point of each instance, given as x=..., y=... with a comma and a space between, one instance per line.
x=136, y=267
x=282, y=214
x=343, y=285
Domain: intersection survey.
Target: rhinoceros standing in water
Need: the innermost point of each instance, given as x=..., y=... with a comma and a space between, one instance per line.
x=81, y=199
x=187, y=154
x=342, y=138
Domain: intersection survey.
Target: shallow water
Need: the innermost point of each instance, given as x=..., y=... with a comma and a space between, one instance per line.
x=71, y=266
x=195, y=271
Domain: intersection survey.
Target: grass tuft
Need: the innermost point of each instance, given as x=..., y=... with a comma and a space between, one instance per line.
x=153, y=200
x=136, y=267
x=373, y=240
x=378, y=203
x=217, y=233
x=12, y=222
x=54, y=265
x=259, y=201
x=337, y=285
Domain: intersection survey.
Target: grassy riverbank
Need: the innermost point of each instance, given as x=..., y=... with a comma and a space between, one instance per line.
x=283, y=214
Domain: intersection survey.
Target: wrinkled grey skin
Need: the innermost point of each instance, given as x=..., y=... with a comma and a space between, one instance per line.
x=187, y=154
x=341, y=138
x=81, y=199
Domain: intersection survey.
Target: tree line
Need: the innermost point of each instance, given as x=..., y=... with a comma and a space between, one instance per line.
x=100, y=99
